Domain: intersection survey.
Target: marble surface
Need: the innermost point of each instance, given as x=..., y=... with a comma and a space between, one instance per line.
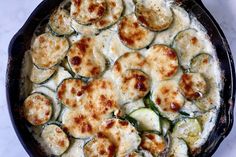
x=13, y=14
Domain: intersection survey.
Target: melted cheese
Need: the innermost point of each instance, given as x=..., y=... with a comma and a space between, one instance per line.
x=48, y=50
x=39, y=75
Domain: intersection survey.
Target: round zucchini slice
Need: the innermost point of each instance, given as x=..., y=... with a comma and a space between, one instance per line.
x=179, y=148
x=88, y=11
x=133, y=35
x=133, y=60
x=163, y=62
x=153, y=143
x=148, y=119
x=85, y=59
x=181, y=22
x=132, y=106
x=100, y=146
x=133, y=85
x=124, y=136
x=168, y=99
x=57, y=78
x=155, y=18
x=187, y=44
x=112, y=15
x=37, y=109
x=55, y=139
x=69, y=91
x=75, y=149
x=193, y=86
x=48, y=50
x=201, y=63
x=52, y=95
x=86, y=30
x=79, y=124
x=39, y=76
x=60, y=23
x=188, y=129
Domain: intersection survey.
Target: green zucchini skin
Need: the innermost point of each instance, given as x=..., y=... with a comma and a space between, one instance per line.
x=201, y=62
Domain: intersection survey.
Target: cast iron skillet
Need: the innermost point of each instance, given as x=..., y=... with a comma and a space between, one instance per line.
x=21, y=42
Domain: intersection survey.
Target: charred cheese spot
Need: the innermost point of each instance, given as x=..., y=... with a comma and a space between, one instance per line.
x=156, y=18
x=100, y=146
x=193, y=85
x=163, y=61
x=88, y=11
x=83, y=58
x=134, y=85
x=69, y=90
x=48, y=50
x=132, y=34
x=124, y=136
x=112, y=15
x=153, y=143
x=60, y=22
x=55, y=139
x=37, y=109
x=168, y=98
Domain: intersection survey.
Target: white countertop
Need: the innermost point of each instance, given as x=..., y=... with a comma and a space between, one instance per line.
x=13, y=14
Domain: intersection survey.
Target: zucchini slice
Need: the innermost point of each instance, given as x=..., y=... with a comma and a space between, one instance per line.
x=48, y=50
x=39, y=76
x=168, y=99
x=187, y=44
x=165, y=126
x=100, y=146
x=153, y=143
x=132, y=106
x=133, y=35
x=179, y=148
x=148, y=119
x=69, y=91
x=155, y=18
x=163, y=62
x=56, y=141
x=193, y=86
x=57, y=78
x=201, y=63
x=133, y=85
x=124, y=136
x=88, y=11
x=86, y=30
x=60, y=23
x=130, y=60
x=37, y=109
x=85, y=59
x=188, y=129
x=75, y=149
x=181, y=22
x=114, y=10
x=52, y=95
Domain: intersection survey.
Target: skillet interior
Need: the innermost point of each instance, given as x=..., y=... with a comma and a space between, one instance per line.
x=21, y=42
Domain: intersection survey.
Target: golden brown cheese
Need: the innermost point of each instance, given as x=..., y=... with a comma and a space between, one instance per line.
x=132, y=34
x=69, y=90
x=100, y=146
x=88, y=11
x=85, y=59
x=37, y=109
x=163, y=62
x=48, y=50
x=55, y=139
x=153, y=143
x=112, y=15
x=193, y=85
x=134, y=84
x=156, y=18
x=122, y=134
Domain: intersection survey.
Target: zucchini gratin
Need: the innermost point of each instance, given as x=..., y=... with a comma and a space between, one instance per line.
x=122, y=78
